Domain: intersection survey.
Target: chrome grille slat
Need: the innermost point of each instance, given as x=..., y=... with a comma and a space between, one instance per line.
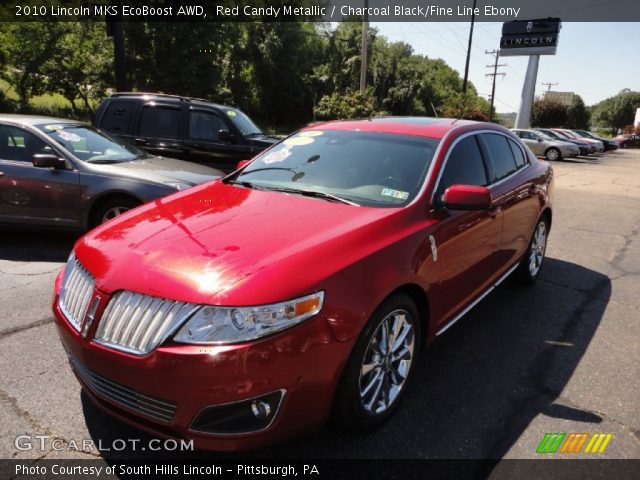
x=75, y=295
x=137, y=323
x=125, y=396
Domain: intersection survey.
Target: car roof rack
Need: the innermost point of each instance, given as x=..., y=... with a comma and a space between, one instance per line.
x=155, y=94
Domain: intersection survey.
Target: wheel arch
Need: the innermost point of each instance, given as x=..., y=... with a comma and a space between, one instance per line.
x=103, y=198
x=416, y=293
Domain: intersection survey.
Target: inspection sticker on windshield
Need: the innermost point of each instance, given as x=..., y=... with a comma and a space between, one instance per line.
x=277, y=156
x=390, y=192
x=53, y=128
x=231, y=113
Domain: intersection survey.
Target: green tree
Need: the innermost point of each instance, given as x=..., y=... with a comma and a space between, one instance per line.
x=26, y=47
x=578, y=115
x=617, y=111
x=547, y=112
x=81, y=65
x=350, y=104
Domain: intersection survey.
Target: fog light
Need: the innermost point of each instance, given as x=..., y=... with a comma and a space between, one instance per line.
x=245, y=416
x=260, y=409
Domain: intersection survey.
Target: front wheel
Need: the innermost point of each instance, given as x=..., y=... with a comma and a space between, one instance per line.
x=552, y=154
x=531, y=263
x=376, y=375
x=112, y=208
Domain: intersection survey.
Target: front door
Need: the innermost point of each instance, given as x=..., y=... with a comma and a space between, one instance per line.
x=33, y=195
x=464, y=243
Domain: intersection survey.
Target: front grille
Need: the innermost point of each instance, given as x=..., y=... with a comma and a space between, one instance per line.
x=137, y=323
x=76, y=291
x=100, y=386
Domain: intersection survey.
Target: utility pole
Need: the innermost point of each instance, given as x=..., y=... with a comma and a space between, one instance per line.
x=549, y=85
x=466, y=66
x=495, y=73
x=363, y=52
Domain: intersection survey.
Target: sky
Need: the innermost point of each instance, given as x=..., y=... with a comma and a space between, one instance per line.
x=594, y=60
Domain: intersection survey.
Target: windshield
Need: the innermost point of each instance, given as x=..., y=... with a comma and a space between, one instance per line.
x=553, y=135
x=373, y=169
x=242, y=122
x=90, y=145
x=545, y=136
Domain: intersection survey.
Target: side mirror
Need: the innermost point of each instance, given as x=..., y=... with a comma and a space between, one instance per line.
x=467, y=197
x=48, y=160
x=225, y=136
x=241, y=164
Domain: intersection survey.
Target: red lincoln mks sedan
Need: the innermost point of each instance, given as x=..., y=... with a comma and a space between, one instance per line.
x=248, y=309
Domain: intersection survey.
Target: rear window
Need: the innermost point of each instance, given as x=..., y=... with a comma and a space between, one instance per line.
x=504, y=164
x=117, y=117
x=159, y=122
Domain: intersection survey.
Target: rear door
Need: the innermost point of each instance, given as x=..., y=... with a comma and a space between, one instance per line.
x=159, y=129
x=33, y=195
x=204, y=145
x=512, y=193
x=465, y=242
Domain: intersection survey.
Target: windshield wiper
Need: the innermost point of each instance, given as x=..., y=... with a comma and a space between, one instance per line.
x=314, y=194
x=243, y=183
x=254, y=134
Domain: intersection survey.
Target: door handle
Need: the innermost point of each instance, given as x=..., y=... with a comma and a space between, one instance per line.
x=140, y=141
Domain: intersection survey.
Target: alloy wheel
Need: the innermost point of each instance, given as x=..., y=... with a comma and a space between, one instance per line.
x=538, y=247
x=113, y=213
x=387, y=362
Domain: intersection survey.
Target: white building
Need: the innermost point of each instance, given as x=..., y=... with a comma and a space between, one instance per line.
x=636, y=122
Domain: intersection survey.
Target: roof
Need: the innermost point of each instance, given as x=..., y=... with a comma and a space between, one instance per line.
x=33, y=119
x=419, y=126
x=166, y=96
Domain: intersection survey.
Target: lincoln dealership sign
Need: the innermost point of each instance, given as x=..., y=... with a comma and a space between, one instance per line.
x=530, y=37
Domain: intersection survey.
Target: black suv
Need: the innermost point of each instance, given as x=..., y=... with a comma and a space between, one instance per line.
x=182, y=127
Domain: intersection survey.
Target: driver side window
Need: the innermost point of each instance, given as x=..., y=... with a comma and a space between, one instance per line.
x=20, y=145
x=464, y=166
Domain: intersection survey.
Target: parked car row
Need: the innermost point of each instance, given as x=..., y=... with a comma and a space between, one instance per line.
x=559, y=143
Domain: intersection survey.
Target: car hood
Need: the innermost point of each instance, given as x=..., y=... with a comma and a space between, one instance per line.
x=161, y=170
x=229, y=245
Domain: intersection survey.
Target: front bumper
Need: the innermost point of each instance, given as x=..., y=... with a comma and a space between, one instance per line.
x=568, y=152
x=164, y=391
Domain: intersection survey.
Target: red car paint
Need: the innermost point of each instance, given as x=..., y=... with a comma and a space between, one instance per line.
x=226, y=245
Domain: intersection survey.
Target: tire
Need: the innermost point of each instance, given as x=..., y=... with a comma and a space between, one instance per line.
x=112, y=208
x=531, y=263
x=364, y=400
x=553, y=154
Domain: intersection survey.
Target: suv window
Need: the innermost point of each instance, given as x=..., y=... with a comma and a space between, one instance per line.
x=19, y=145
x=504, y=164
x=117, y=117
x=464, y=166
x=159, y=122
x=204, y=125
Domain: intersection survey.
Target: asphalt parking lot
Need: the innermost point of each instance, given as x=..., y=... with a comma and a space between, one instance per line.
x=561, y=356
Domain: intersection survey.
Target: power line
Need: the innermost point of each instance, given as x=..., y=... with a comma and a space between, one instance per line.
x=549, y=85
x=495, y=74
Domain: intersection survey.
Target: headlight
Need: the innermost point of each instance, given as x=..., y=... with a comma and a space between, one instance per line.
x=179, y=185
x=218, y=325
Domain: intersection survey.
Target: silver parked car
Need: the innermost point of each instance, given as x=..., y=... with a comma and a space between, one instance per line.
x=64, y=173
x=543, y=145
